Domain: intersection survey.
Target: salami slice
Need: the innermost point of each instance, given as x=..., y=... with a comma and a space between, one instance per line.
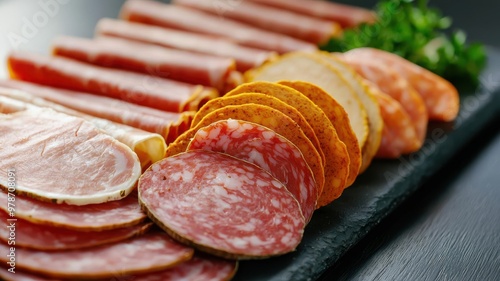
x=21, y=276
x=110, y=215
x=50, y=238
x=310, y=29
x=199, y=268
x=263, y=147
x=222, y=205
x=440, y=96
x=347, y=16
x=153, y=251
x=245, y=57
x=173, y=16
x=167, y=124
x=64, y=159
x=132, y=87
x=173, y=64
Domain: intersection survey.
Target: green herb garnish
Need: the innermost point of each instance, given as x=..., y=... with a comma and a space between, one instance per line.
x=416, y=32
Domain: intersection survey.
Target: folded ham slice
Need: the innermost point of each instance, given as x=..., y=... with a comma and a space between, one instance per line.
x=155, y=13
x=146, y=90
x=245, y=57
x=167, y=124
x=149, y=147
x=307, y=28
x=64, y=159
x=345, y=15
x=173, y=64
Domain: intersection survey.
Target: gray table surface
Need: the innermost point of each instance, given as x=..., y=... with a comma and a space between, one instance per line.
x=448, y=230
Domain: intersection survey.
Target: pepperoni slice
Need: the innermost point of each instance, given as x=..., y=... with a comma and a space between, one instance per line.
x=222, y=205
x=263, y=147
x=153, y=251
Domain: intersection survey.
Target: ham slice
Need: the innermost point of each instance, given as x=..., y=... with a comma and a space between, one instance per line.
x=50, y=238
x=173, y=64
x=64, y=159
x=245, y=57
x=155, y=13
x=154, y=251
x=146, y=90
x=307, y=28
x=345, y=15
x=94, y=217
x=149, y=147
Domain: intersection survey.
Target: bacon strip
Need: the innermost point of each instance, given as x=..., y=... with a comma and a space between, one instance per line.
x=149, y=147
x=154, y=60
x=137, y=88
x=151, y=12
x=345, y=15
x=245, y=57
x=167, y=124
x=307, y=28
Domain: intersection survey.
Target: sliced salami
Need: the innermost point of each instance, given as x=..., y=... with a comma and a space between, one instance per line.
x=265, y=148
x=50, y=238
x=222, y=205
x=109, y=215
x=64, y=159
x=20, y=276
x=153, y=251
x=199, y=268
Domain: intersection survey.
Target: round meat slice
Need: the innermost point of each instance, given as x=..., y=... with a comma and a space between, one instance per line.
x=104, y=216
x=153, y=251
x=221, y=205
x=265, y=148
x=64, y=159
x=51, y=238
x=199, y=268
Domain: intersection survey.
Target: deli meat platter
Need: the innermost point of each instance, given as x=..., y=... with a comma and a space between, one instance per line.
x=223, y=140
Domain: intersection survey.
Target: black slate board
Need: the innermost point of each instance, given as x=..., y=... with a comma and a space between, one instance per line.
x=337, y=227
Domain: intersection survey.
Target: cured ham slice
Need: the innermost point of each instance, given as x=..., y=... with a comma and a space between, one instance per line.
x=245, y=57
x=149, y=147
x=146, y=90
x=199, y=268
x=345, y=15
x=50, y=238
x=263, y=147
x=94, y=217
x=296, y=25
x=440, y=96
x=173, y=64
x=167, y=124
x=396, y=86
x=172, y=16
x=222, y=205
x=64, y=159
x=154, y=251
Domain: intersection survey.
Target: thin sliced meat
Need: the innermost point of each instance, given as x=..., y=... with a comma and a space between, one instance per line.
x=94, y=217
x=50, y=238
x=64, y=159
x=440, y=96
x=263, y=147
x=167, y=124
x=398, y=134
x=395, y=85
x=172, y=16
x=173, y=64
x=222, y=205
x=149, y=252
x=199, y=268
x=21, y=276
x=141, y=89
x=149, y=147
x=245, y=57
x=345, y=15
x=307, y=28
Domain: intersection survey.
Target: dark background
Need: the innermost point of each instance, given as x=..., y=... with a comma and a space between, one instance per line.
x=448, y=230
